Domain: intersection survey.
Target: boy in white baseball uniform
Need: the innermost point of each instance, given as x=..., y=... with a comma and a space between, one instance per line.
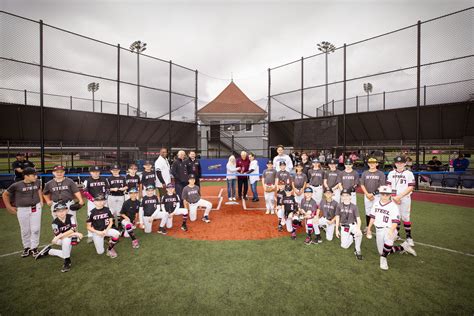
x=402, y=182
x=385, y=216
x=328, y=211
x=100, y=223
x=269, y=187
x=192, y=200
x=65, y=235
x=347, y=217
x=151, y=210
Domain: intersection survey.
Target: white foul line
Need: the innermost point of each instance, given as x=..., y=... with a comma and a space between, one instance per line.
x=17, y=252
x=446, y=249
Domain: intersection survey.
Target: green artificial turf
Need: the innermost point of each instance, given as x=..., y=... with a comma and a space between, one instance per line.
x=278, y=276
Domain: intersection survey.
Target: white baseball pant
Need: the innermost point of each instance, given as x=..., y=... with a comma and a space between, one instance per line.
x=66, y=248
x=368, y=203
x=194, y=206
x=269, y=200
x=405, y=208
x=323, y=221
x=299, y=198
x=124, y=225
x=30, y=225
x=354, y=198
x=382, y=237
x=349, y=235
x=313, y=221
x=283, y=220
x=99, y=240
x=157, y=215
x=115, y=204
x=337, y=195
x=179, y=211
x=317, y=193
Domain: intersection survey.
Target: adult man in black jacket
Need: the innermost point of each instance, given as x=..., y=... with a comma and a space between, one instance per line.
x=180, y=174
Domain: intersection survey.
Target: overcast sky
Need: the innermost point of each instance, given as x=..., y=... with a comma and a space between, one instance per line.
x=239, y=37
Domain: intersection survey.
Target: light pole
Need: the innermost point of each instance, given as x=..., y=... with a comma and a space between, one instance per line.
x=138, y=47
x=368, y=89
x=326, y=48
x=93, y=87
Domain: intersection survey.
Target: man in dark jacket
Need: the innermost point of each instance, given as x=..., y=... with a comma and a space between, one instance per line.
x=243, y=181
x=180, y=174
x=194, y=167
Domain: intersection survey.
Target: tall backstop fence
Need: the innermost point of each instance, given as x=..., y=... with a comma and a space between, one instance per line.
x=46, y=66
x=423, y=64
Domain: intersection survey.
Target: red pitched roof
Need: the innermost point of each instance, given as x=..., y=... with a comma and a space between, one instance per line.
x=231, y=100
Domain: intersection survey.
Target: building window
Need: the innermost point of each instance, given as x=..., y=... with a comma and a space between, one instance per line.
x=230, y=126
x=248, y=126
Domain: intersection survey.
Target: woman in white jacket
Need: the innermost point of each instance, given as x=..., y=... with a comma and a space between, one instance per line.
x=231, y=177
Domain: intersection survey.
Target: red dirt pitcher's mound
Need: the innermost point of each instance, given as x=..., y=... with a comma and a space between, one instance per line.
x=230, y=222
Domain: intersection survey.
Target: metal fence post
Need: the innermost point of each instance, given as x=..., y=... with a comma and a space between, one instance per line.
x=41, y=98
x=357, y=104
x=302, y=86
x=344, y=103
x=128, y=109
x=418, y=80
x=332, y=106
x=26, y=98
x=196, y=109
x=269, y=102
x=424, y=95
x=70, y=102
x=101, y=106
x=384, y=100
x=118, y=104
x=169, y=114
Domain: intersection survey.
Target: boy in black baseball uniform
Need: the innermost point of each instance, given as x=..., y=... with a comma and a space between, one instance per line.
x=280, y=194
x=347, y=217
x=129, y=214
x=132, y=180
x=170, y=204
x=94, y=186
x=117, y=188
x=150, y=210
x=328, y=208
x=283, y=174
x=316, y=180
x=148, y=175
x=311, y=211
x=100, y=223
x=332, y=180
x=349, y=179
x=268, y=181
x=65, y=235
x=290, y=211
x=299, y=183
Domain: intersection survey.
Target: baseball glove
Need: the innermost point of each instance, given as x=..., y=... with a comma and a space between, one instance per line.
x=75, y=207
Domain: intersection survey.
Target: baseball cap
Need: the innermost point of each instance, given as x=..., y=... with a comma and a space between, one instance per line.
x=27, y=171
x=372, y=159
x=192, y=176
x=328, y=190
x=269, y=162
x=94, y=168
x=288, y=188
x=346, y=191
x=333, y=161
x=348, y=162
x=115, y=167
x=150, y=187
x=400, y=159
x=308, y=190
x=315, y=160
x=299, y=164
x=60, y=206
x=170, y=186
x=282, y=163
x=147, y=162
x=20, y=154
x=385, y=189
x=58, y=167
x=133, y=190
x=99, y=197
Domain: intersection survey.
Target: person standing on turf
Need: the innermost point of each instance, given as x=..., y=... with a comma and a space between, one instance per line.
x=243, y=181
x=94, y=186
x=269, y=187
x=370, y=181
x=253, y=169
x=231, y=177
x=194, y=167
x=299, y=183
x=282, y=157
x=132, y=180
x=347, y=217
x=148, y=176
x=316, y=180
x=349, y=179
x=28, y=203
x=332, y=180
x=180, y=174
x=20, y=164
x=117, y=188
x=163, y=171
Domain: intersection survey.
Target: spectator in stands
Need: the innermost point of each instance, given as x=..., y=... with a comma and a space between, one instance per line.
x=322, y=157
x=242, y=181
x=231, y=177
x=434, y=164
x=19, y=165
x=460, y=163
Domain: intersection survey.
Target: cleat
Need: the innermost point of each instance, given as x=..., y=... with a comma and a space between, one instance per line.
x=410, y=242
x=280, y=228
x=34, y=252
x=135, y=244
x=408, y=249
x=399, y=238
x=293, y=236
x=383, y=263
x=358, y=255
x=267, y=212
x=184, y=228
x=320, y=241
x=43, y=253
x=25, y=253
x=66, y=267
x=206, y=219
x=307, y=241
x=89, y=240
x=112, y=253
x=162, y=231
x=272, y=212
x=323, y=228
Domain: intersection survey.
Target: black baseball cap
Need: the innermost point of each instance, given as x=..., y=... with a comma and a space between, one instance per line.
x=99, y=197
x=308, y=190
x=58, y=167
x=147, y=162
x=192, y=176
x=348, y=162
x=288, y=188
x=333, y=161
x=170, y=186
x=269, y=162
x=94, y=168
x=28, y=170
x=346, y=191
x=20, y=154
x=282, y=163
x=400, y=159
x=150, y=187
x=60, y=206
x=315, y=160
x=133, y=190
x=115, y=167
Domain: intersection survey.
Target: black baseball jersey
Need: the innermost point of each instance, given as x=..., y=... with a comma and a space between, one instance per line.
x=306, y=166
x=284, y=176
x=61, y=190
x=191, y=195
x=60, y=227
x=132, y=181
x=280, y=195
x=150, y=204
x=289, y=204
x=25, y=194
x=116, y=182
x=130, y=208
x=100, y=219
x=193, y=167
x=148, y=178
x=170, y=202
x=96, y=186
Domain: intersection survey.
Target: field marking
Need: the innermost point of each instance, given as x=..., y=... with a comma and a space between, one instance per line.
x=17, y=252
x=244, y=204
x=445, y=249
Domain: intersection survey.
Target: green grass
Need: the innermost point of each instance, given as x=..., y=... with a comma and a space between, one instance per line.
x=278, y=276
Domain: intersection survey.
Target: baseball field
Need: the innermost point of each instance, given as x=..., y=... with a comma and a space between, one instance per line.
x=199, y=273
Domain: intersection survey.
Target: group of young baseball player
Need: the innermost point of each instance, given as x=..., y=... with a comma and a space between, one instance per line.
x=116, y=206
x=310, y=197
x=316, y=199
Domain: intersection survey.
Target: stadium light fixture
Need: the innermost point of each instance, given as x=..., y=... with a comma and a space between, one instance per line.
x=93, y=87
x=326, y=48
x=138, y=47
x=368, y=89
